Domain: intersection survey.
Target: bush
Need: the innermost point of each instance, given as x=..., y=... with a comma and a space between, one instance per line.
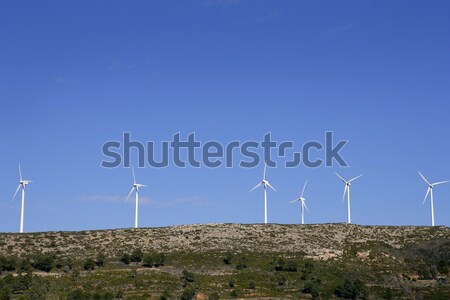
x=351, y=290
x=164, y=296
x=77, y=294
x=252, y=285
x=43, y=262
x=242, y=264
x=291, y=266
x=148, y=261
x=214, y=296
x=101, y=259
x=7, y=264
x=154, y=260
x=188, y=276
x=126, y=258
x=278, y=264
x=307, y=269
x=4, y=293
x=233, y=295
x=188, y=294
x=228, y=258
x=137, y=255
x=281, y=280
x=159, y=260
x=231, y=283
x=89, y=264
x=311, y=287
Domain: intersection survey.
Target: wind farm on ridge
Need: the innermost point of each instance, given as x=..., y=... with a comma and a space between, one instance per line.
x=264, y=183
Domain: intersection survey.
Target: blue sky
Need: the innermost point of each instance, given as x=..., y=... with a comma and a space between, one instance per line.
x=76, y=74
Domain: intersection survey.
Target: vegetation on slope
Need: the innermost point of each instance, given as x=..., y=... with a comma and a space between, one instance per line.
x=224, y=261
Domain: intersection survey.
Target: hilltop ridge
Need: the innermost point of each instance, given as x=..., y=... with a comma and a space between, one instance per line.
x=231, y=260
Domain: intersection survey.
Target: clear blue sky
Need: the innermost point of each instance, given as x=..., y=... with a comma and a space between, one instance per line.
x=76, y=74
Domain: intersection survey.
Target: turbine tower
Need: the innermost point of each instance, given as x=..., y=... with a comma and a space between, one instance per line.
x=265, y=184
x=22, y=184
x=302, y=200
x=136, y=187
x=430, y=191
x=347, y=192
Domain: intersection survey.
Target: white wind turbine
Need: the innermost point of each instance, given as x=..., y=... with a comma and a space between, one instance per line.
x=136, y=187
x=265, y=184
x=430, y=191
x=347, y=192
x=302, y=200
x=22, y=184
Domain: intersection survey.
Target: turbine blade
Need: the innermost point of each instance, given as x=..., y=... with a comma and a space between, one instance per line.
x=424, y=179
x=340, y=177
x=18, y=188
x=20, y=172
x=257, y=186
x=304, y=204
x=265, y=170
x=293, y=201
x=126, y=199
x=268, y=184
x=441, y=182
x=134, y=177
x=426, y=196
x=345, y=192
x=304, y=187
x=351, y=180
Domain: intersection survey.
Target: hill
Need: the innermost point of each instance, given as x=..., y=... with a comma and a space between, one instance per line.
x=228, y=261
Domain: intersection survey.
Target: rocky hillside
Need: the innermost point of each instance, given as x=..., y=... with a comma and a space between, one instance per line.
x=230, y=260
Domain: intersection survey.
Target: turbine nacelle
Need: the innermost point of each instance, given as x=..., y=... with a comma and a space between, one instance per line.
x=138, y=186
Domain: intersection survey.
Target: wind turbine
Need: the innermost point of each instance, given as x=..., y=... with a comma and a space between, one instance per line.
x=302, y=200
x=136, y=187
x=22, y=184
x=347, y=192
x=265, y=184
x=430, y=191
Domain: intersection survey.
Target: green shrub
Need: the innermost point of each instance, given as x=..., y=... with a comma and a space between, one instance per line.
x=311, y=287
x=4, y=293
x=154, y=260
x=251, y=285
x=228, y=258
x=234, y=295
x=126, y=258
x=89, y=264
x=231, y=283
x=281, y=280
x=242, y=264
x=351, y=290
x=77, y=294
x=148, y=261
x=159, y=260
x=101, y=259
x=43, y=262
x=188, y=294
x=164, y=296
x=188, y=276
x=137, y=255
x=7, y=264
